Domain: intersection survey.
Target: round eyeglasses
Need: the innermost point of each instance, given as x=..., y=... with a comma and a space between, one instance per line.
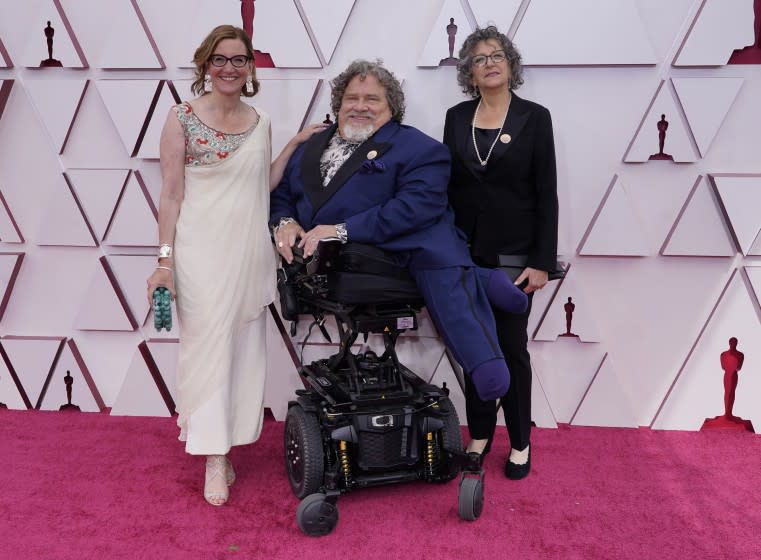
x=496, y=58
x=238, y=61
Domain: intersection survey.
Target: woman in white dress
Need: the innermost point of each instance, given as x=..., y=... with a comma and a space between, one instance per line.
x=216, y=251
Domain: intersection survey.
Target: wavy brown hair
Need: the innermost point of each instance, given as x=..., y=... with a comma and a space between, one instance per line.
x=206, y=49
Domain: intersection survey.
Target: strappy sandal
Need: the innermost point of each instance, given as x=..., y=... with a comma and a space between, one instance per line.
x=230, y=472
x=216, y=466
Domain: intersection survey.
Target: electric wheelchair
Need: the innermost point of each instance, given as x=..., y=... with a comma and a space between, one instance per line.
x=364, y=419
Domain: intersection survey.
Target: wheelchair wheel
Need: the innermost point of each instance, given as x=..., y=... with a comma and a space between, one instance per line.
x=316, y=516
x=304, y=456
x=470, y=502
x=451, y=438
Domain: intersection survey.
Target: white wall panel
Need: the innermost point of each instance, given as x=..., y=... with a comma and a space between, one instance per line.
x=149, y=147
x=437, y=46
x=36, y=14
x=128, y=102
x=606, y=402
x=164, y=353
x=56, y=102
x=63, y=222
x=9, y=230
x=327, y=19
x=566, y=368
x=706, y=102
x=82, y=395
x=134, y=223
x=128, y=27
x=94, y=142
x=721, y=27
x=501, y=13
x=616, y=230
x=32, y=359
x=666, y=22
x=541, y=413
x=293, y=49
x=678, y=141
x=590, y=32
x=698, y=392
x=700, y=229
x=98, y=191
x=139, y=395
x=101, y=309
x=741, y=198
x=9, y=393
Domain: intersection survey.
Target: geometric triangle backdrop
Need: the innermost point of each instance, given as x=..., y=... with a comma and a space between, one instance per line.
x=700, y=229
x=706, y=102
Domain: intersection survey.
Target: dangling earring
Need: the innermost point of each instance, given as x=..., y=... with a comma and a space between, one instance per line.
x=250, y=85
x=207, y=83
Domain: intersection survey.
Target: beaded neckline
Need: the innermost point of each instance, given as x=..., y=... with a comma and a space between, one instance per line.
x=214, y=130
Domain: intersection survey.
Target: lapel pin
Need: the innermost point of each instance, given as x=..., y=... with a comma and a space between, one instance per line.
x=372, y=154
x=505, y=138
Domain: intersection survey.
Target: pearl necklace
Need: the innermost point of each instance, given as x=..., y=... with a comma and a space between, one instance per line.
x=473, y=131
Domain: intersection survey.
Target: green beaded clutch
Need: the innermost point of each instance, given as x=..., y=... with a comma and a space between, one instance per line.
x=162, y=309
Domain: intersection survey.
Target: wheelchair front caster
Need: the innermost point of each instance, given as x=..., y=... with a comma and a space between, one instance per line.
x=316, y=515
x=470, y=501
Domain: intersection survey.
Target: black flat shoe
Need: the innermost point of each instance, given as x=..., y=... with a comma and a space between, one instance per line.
x=516, y=472
x=485, y=451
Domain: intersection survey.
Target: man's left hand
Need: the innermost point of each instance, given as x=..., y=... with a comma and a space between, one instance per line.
x=311, y=238
x=536, y=279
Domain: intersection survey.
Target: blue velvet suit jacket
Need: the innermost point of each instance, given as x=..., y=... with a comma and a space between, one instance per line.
x=398, y=202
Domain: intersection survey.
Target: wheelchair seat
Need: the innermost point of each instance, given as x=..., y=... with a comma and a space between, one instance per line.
x=354, y=274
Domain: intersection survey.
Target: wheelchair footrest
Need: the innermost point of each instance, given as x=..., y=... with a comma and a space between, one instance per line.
x=392, y=477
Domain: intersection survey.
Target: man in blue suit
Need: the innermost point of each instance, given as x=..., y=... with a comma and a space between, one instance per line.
x=371, y=179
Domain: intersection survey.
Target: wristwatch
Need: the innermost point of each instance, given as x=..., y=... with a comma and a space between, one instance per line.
x=165, y=251
x=341, y=232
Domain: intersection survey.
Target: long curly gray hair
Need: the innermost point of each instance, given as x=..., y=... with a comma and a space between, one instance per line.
x=465, y=66
x=394, y=93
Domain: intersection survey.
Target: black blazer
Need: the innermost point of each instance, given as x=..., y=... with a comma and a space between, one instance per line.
x=511, y=208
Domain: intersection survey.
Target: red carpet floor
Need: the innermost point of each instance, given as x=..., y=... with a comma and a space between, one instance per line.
x=93, y=486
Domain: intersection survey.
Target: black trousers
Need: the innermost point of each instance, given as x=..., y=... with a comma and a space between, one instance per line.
x=516, y=404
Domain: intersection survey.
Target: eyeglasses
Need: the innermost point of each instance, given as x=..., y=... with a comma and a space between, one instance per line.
x=238, y=61
x=496, y=58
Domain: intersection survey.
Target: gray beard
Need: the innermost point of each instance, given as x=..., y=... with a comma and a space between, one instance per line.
x=357, y=134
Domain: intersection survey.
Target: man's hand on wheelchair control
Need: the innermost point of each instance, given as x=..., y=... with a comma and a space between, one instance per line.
x=285, y=238
x=311, y=239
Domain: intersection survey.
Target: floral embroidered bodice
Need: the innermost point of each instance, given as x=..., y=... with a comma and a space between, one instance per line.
x=205, y=145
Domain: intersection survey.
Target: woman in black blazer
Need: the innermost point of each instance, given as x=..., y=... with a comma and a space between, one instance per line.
x=503, y=189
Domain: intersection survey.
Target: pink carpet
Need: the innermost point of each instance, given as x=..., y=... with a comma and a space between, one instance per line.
x=94, y=486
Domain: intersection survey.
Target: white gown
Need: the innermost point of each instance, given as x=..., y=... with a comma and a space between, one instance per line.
x=225, y=277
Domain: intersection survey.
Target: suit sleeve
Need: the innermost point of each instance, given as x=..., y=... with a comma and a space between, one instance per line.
x=544, y=253
x=282, y=201
x=419, y=202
